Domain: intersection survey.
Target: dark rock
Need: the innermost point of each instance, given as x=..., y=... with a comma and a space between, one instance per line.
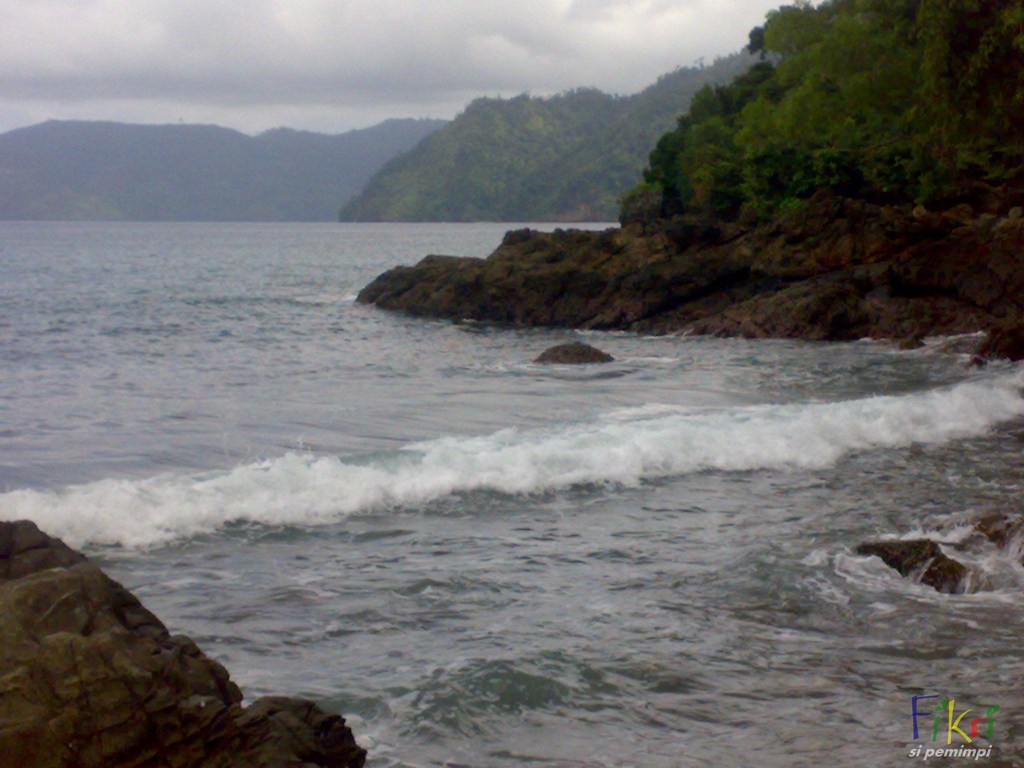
x=831, y=269
x=921, y=560
x=534, y=278
x=1004, y=531
x=910, y=342
x=807, y=310
x=89, y=679
x=686, y=232
x=962, y=213
x=517, y=236
x=573, y=353
x=1004, y=340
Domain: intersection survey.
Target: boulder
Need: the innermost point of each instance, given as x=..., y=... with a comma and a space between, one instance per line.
x=89, y=678
x=573, y=353
x=1005, y=531
x=1004, y=340
x=922, y=560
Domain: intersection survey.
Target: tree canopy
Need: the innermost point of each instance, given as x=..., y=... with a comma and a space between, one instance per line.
x=886, y=99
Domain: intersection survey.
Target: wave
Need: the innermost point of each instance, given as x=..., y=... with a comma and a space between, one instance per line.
x=624, y=449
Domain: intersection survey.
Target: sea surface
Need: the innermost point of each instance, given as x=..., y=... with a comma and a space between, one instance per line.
x=481, y=561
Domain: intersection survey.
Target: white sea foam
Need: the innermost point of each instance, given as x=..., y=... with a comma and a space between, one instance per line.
x=659, y=442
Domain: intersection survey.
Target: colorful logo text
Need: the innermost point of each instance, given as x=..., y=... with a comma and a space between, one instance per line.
x=946, y=721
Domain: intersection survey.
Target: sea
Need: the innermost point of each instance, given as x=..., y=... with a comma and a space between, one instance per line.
x=485, y=562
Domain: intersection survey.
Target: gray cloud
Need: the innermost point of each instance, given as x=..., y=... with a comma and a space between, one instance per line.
x=337, y=64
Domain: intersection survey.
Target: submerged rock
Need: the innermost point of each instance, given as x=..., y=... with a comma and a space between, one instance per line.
x=922, y=560
x=91, y=679
x=573, y=353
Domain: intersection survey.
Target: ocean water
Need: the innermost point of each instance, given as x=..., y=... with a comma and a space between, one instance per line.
x=485, y=562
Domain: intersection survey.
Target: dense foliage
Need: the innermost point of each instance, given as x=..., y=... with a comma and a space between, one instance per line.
x=882, y=99
x=566, y=157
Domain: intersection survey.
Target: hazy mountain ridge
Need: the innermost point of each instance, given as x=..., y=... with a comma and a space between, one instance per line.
x=567, y=157
x=117, y=171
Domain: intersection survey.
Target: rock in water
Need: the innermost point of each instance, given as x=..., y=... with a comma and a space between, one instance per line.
x=1005, y=531
x=91, y=679
x=1004, y=340
x=921, y=559
x=573, y=353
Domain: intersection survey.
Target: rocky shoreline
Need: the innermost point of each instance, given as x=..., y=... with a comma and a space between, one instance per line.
x=91, y=679
x=836, y=269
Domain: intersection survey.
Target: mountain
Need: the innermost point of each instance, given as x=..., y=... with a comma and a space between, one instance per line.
x=565, y=158
x=113, y=171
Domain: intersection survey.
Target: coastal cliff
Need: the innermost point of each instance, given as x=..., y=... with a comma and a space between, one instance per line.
x=90, y=678
x=835, y=269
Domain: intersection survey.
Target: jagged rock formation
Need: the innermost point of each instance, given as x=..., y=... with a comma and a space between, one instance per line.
x=921, y=559
x=1005, y=340
x=836, y=269
x=924, y=561
x=91, y=679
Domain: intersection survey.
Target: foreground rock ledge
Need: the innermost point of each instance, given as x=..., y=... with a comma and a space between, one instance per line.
x=91, y=679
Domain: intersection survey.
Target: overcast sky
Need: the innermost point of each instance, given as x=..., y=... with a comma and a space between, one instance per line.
x=334, y=65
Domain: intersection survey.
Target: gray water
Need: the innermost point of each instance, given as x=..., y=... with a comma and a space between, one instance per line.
x=485, y=562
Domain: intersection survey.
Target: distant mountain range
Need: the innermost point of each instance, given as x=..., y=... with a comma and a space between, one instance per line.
x=564, y=158
x=113, y=171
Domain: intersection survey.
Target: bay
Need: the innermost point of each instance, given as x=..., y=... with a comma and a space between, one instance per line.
x=482, y=561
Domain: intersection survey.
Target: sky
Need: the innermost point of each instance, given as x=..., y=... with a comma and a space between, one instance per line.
x=335, y=65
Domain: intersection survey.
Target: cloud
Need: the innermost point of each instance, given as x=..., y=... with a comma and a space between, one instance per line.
x=261, y=61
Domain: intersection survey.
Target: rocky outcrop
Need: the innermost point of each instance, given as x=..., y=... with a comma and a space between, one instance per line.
x=90, y=678
x=1005, y=531
x=573, y=353
x=923, y=560
x=835, y=269
x=1004, y=340
x=920, y=559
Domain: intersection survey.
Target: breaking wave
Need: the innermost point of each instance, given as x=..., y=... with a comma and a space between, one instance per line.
x=624, y=449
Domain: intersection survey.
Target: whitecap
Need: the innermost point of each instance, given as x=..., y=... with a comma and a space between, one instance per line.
x=657, y=442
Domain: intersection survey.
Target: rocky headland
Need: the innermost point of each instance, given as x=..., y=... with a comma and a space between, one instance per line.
x=91, y=679
x=833, y=269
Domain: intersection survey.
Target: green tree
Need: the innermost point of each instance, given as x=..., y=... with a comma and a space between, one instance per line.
x=972, y=111
x=894, y=99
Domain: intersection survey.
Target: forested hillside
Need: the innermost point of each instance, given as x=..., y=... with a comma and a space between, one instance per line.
x=883, y=100
x=112, y=171
x=864, y=180
x=569, y=157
